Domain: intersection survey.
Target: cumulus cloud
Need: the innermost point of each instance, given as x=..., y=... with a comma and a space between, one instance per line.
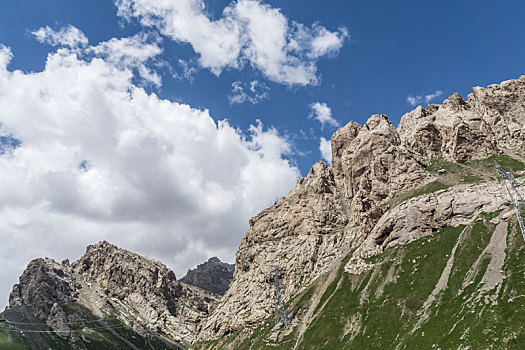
x=322, y=113
x=326, y=149
x=5, y=56
x=325, y=42
x=253, y=92
x=66, y=36
x=416, y=100
x=130, y=53
x=100, y=158
x=249, y=31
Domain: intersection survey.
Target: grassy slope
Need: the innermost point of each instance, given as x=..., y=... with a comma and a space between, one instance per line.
x=13, y=341
x=475, y=170
x=379, y=308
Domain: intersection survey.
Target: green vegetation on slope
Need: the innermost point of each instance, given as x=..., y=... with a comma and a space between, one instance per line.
x=388, y=306
x=364, y=317
x=431, y=187
x=505, y=161
x=475, y=170
x=11, y=340
x=455, y=172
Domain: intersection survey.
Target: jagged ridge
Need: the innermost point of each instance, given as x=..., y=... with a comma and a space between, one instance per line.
x=121, y=297
x=361, y=204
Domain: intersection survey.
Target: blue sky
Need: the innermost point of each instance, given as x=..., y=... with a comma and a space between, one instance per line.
x=396, y=49
x=112, y=141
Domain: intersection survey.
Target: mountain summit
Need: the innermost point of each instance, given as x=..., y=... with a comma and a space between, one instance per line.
x=109, y=298
x=213, y=275
x=405, y=224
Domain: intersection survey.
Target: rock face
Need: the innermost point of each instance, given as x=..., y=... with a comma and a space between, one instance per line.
x=213, y=276
x=141, y=292
x=352, y=208
x=299, y=235
x=43, y=283
x=491, y=120
x=424, y=215
x=148, y=288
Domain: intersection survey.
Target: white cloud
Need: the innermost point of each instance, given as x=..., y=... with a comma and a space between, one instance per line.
x=248, y=31
x=5, y=56
x=102, y=159
x=323, y=113
x=416, y=100
x=133, y=52
x=326, y=149
x=254, y=92
x=326, y=42
x=189, y=69
x=66, y=36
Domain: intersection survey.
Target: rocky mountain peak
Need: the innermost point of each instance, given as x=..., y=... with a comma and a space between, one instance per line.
x=456, y=103
x=379, y=124
x=213, y=276
x=319, y=180
x=123, y=273
x=43, y=284
x=362, y=204
x=138, y=291
x=102, y=246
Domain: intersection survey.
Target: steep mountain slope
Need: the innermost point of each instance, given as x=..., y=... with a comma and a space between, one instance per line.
x=109, y=298
x=340, y=239
x=212, y=275
x=460, y=288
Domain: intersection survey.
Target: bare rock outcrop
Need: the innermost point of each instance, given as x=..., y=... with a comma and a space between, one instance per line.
x=490, y=121
x=44, y=288
x=141, y=292
x=213, y=275
x=44, y=283
x=347, y=206
x=427, y=214
x=502, y=107
x=299, y=235
x=374, y=161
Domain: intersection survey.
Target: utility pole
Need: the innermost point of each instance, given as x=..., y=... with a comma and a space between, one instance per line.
x=517, y=198
x=281, y=314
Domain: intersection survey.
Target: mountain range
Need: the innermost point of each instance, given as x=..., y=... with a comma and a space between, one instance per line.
x=407, y=240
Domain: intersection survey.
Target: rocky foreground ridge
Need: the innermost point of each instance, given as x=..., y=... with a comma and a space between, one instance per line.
x=107, y=291
x=386, y=186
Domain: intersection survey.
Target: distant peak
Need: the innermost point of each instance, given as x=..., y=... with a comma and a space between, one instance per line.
x=102, y=245
x=214, y=260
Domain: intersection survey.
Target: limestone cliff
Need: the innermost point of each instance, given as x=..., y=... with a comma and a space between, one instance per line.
x=385, y=186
